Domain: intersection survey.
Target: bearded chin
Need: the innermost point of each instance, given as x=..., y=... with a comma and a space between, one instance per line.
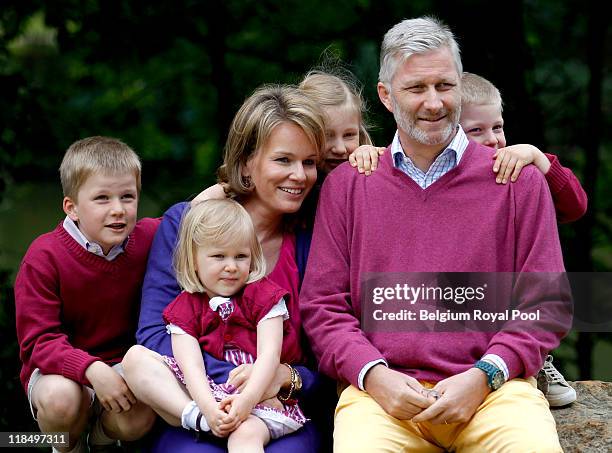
x=432, y=139
x=406, y=124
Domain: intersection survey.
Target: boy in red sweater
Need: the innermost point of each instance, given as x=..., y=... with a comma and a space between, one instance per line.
x=77, y=295
x=481, y=119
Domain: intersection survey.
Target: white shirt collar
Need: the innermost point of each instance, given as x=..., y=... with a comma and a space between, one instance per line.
x=458, y=144
x=215, y=302
x=73, y=230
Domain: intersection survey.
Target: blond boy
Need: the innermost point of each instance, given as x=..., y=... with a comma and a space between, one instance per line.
x=481, y=119
x=77, y=295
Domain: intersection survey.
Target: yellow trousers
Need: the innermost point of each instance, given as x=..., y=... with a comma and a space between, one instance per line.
x=514, y=419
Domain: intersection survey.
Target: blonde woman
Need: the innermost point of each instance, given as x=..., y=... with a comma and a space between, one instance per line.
x=273, y=147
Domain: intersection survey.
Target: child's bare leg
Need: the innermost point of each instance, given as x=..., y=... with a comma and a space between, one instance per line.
x=128, y=425
x=154, y=384
x=62, y=406
x=251, y=436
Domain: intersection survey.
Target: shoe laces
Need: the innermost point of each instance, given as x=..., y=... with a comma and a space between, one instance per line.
x=552, y=374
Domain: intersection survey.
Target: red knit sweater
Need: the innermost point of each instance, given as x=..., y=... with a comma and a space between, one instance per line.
x=568, y=195
x=73, y=307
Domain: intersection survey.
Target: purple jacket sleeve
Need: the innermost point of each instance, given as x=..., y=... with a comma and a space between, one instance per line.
x=568, y=195
x=160, y=288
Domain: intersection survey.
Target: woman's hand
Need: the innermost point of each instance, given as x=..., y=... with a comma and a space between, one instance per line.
x=274, y=403
x=216, y=192
x=239, y=377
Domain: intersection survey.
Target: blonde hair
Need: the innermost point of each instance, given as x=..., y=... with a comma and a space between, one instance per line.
x=104, y=155
x=415, y=36
x=214, y=222
x=337, y=90
x=268, y=107
x=478, y=90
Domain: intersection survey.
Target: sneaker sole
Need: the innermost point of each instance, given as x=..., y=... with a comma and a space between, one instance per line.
x=562, y=400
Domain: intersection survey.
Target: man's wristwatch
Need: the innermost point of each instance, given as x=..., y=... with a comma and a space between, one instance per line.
x=495, y=376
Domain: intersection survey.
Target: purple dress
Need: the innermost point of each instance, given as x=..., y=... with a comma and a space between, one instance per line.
x=160, y=288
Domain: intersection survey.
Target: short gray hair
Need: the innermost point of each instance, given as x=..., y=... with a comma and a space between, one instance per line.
x=415, y=36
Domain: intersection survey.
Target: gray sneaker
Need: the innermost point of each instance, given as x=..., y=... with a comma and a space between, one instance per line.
x=554, y=386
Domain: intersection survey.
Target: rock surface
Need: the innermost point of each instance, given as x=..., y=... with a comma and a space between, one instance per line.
x=586, y=425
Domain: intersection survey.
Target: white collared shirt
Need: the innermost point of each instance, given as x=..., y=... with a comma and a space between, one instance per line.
x=73, y=230
x=446, y=160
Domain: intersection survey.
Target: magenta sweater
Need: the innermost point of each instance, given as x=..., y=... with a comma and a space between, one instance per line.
x=73, y=307
x=385, y=222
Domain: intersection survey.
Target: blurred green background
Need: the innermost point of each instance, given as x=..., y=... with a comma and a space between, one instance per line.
x=167, y=77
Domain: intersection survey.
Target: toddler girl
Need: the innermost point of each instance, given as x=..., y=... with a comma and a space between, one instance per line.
x=229, y=309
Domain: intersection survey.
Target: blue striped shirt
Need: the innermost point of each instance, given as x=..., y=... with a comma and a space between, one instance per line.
x=446, y=160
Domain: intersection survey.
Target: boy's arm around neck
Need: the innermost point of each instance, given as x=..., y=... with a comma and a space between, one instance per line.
x=568, y=195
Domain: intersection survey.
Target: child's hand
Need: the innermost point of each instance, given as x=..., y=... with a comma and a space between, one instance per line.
x=237, y=406
x=111, y=390
x=216, y=192
x=274, y=403
x=220, y=423
x=365, y=158
x=509, y=161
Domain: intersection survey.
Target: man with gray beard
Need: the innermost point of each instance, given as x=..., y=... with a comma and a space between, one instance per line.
x=431, y=206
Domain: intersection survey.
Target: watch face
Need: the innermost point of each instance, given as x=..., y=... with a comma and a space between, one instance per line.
x=498, y=380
